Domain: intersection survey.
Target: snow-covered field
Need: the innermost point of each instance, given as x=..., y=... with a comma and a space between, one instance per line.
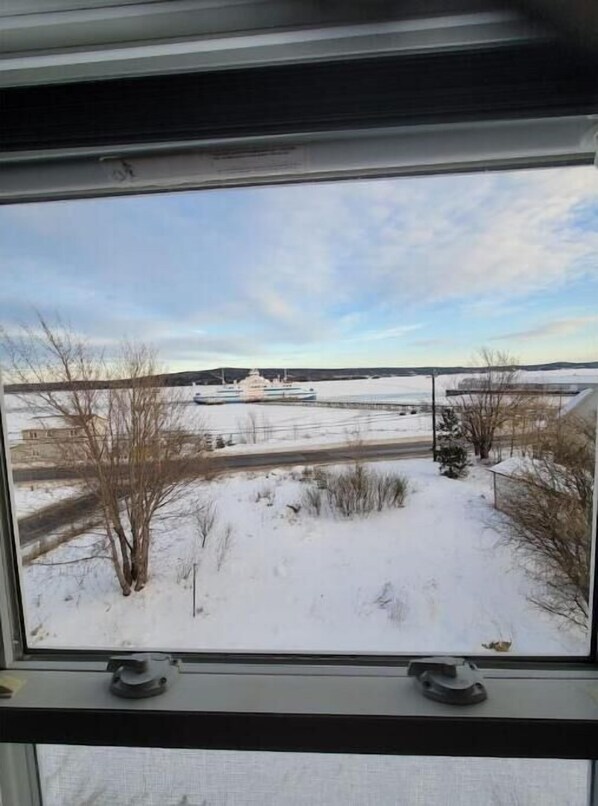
x=430, y=577
x=33, y=496
x=106, y=776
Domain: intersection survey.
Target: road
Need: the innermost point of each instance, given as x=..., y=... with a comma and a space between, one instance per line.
x=372, y=452
x=41, y=523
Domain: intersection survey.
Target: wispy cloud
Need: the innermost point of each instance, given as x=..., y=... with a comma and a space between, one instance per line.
x=428, y=342
x=558, y=327
x=386, y=334
x=313, y=270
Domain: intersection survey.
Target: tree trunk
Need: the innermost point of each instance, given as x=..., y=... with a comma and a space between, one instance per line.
x=142, y=558
x=125, y=585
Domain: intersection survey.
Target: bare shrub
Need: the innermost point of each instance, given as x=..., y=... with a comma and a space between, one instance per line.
x=184, y=568
x=266, y=429
x=392, y=602
x=253, y=429
x=225, y=542
x=549, y=508
x=248, y=428
x=390, y=491
x=312, y=500
x=204, y=519
x=358, y=490
x=265, y=493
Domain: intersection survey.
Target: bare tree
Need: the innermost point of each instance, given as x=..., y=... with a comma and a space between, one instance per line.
x=204, y=516
x=549, y=509
x=131, y=449
x=248, y=428
x=490, y=401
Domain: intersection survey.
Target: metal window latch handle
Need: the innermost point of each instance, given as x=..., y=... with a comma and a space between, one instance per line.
x=455, y=681
x=141, y=674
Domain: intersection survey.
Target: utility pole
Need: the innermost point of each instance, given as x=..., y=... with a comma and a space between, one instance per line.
x=433, y=415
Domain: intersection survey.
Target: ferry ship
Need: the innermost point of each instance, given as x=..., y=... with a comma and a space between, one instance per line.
x=254, y=389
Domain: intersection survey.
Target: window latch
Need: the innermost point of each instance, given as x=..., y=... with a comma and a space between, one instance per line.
x=454, y=681
x=142, y=674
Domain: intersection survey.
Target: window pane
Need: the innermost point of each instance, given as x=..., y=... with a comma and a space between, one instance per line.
x=221, y=427
x=111, y=776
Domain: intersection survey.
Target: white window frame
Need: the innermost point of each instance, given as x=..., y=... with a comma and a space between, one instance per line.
x=540, y=707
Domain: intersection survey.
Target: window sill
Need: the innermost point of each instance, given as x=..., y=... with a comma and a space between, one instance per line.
x=311, y=710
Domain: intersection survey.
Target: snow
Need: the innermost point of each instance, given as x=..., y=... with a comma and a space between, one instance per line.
x=33, y=496
x=432, y=577
x=295, y=426
x=106, y=776
x=515, y=465
x=583, y=404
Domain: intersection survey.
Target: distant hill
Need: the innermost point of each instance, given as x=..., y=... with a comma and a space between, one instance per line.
x=207, y=377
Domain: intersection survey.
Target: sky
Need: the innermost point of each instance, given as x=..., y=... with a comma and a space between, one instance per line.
x=393, y=272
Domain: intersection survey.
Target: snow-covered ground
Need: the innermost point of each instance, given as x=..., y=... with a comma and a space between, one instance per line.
x=106, y=776
x=37, y=495
x=430, y=577
x=418, y=388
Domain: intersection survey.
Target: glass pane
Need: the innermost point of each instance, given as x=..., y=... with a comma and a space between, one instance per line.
x=221, y=408
x=71, y=776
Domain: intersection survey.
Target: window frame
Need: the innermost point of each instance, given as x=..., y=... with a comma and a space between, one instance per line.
x=347, y=155
x=537, y=707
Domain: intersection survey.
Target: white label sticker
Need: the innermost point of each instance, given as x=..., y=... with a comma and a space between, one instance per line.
x=256, y=160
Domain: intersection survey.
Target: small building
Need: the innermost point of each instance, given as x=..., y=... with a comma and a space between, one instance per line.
x=583, y=406
x=53, y=438
x=507, y=476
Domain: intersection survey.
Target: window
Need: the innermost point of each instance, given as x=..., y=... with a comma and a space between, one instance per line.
x=499, y=102
x=335, y=336
x=118, y=776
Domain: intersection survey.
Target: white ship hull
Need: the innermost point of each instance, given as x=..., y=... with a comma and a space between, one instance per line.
x=254, y=389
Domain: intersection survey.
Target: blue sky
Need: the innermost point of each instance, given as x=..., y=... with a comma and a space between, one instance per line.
x=387, y=272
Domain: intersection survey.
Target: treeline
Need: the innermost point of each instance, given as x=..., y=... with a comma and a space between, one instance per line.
x=210, y=377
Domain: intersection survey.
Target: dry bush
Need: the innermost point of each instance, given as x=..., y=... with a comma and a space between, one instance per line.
x=355, y=491
x=253, y=429
x=392, y=602
x=265, y=493
x=204, y=520
x=225, y=542
x=549, y=508
x=312, y=500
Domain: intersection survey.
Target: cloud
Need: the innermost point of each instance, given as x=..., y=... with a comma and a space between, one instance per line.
x=286, y=268
x=558, y=327
x=386, y=334
x=429, y=342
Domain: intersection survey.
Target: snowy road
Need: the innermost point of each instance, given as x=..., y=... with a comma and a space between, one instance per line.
x=403, y=449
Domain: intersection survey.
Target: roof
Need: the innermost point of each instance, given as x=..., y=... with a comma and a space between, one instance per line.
x=531, y=471
x=515, y=466
x=50, y=421
x=56, y=421
x=583, y=404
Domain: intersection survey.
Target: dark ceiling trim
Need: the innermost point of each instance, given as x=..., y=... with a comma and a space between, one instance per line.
x=486, y=84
